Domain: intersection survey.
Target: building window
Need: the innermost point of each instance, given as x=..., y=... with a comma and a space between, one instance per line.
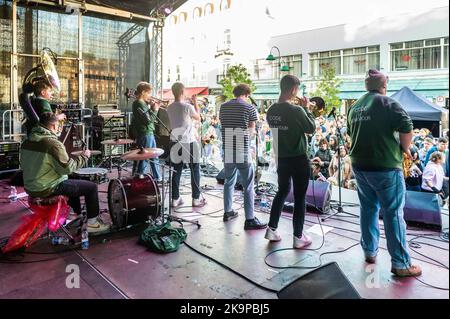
x=193, y=72
x=168, y=75
x=178, y=73
x=209, y=8
x=324, y=60
x=359, y=60
x=227, y=39
x=266, y=70
x=419, y=55
x=294, y=62
x=446, y=53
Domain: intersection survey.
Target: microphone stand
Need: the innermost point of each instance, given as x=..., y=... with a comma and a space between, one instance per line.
x=339, y=209
x=170, y=168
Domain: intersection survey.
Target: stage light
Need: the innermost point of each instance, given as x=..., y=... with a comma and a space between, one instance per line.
x=167, y=11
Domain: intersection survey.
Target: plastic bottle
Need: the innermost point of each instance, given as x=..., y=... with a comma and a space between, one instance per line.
x=264, y=202
x=84, y=239
x=60, y=241
x=13, y=195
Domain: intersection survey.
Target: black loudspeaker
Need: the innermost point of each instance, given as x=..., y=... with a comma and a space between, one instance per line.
x=422, y=209
x=326, y=282
x=221, y=179
x=318, y=197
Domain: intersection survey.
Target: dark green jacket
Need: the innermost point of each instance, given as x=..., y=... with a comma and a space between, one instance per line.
x=143, y=122
x=45, y=162
x=289, y=124
x=374, y=124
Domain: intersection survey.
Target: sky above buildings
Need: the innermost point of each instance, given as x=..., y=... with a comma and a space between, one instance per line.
x=254, y=22
x=309, y=15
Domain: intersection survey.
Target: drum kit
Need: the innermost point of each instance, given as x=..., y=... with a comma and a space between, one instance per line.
x=132, y=200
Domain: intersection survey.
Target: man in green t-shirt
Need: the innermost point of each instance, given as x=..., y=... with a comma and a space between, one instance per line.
x=289, y=124
x=381, y=131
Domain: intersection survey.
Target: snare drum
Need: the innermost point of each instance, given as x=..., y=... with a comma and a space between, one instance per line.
x=133, y=200
x=96, y=175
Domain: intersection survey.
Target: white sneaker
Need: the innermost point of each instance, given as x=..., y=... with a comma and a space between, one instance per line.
x=177, y=202
x=272, y=235
x=198, y=202
x=98, y=227
x=303, y=242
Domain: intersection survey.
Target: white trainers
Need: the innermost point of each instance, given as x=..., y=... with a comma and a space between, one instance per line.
x=272, y=235
x=303, y=242
x=177, y=202
x=98, y=227
x=198, y=202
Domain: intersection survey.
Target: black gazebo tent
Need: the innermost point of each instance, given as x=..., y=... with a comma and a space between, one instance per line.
x=424, y=113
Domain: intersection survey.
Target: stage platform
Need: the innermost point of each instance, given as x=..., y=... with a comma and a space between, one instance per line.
x=115, y=266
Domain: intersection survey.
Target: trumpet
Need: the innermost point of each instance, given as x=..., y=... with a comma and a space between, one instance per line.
x=317, y=103
x=163, y=103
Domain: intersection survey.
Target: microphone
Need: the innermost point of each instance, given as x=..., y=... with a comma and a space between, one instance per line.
x=332, y=112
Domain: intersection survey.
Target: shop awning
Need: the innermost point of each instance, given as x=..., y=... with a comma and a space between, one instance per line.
x=200, y=91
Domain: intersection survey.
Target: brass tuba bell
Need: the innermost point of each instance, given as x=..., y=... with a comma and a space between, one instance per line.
x=44, y=70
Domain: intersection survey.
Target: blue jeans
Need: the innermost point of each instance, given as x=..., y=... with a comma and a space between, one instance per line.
x=147, y=141
x=383, y=190
x=247, y=178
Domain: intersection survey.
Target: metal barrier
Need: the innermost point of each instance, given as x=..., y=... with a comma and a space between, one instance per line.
x=12, y=117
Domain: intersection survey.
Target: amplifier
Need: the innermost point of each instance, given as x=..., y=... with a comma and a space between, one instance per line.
x=9, y=156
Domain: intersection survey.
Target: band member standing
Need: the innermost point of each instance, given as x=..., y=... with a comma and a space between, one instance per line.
x=185, y=148
x=289, y=124
x=381, y=131
x=46, y=166
x=143, y=126
x=238, y=118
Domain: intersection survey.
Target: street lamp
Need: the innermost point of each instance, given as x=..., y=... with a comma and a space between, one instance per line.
x=271, y=57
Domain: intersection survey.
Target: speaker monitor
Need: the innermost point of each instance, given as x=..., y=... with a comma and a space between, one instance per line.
x=422, y=209
x=318, y=196
x=326, y=282
x=221, y=179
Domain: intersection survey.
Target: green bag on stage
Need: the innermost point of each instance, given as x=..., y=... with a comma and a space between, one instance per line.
x=163, y=239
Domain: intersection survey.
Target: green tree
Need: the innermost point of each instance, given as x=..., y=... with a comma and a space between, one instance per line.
x=328, y=88
x=236, y=74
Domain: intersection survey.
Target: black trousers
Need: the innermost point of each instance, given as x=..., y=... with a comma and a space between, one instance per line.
x=74, y=189
x=178, y=164
x=297, y=169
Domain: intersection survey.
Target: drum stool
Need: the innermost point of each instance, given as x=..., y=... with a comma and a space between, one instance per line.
x=53, y=203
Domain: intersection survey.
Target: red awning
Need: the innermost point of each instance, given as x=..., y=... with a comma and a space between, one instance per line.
x=167, y=94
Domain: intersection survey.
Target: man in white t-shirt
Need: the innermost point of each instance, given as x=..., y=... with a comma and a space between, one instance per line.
x=185, y=148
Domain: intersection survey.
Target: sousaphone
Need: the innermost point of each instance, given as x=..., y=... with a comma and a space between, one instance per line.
x=44, y=70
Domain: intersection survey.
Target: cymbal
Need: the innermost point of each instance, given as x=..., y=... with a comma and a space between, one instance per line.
x=117, y=142
x=142, y=154
x=93, y=153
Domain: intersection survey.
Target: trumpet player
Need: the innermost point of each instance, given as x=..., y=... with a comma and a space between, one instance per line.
x=290, y=124
x=143, y=126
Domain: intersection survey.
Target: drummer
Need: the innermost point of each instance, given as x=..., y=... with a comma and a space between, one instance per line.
x=46, y=166
x=143, y=126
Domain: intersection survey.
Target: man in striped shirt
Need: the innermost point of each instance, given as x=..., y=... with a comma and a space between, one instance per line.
x=238, y=120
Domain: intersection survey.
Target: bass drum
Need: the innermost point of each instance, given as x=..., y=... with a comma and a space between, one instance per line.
x=133, y=200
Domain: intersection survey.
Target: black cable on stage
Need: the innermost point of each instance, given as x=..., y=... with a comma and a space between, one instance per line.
x=232, y=270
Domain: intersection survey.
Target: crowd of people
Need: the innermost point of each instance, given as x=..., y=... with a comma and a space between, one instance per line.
x=330, y=136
